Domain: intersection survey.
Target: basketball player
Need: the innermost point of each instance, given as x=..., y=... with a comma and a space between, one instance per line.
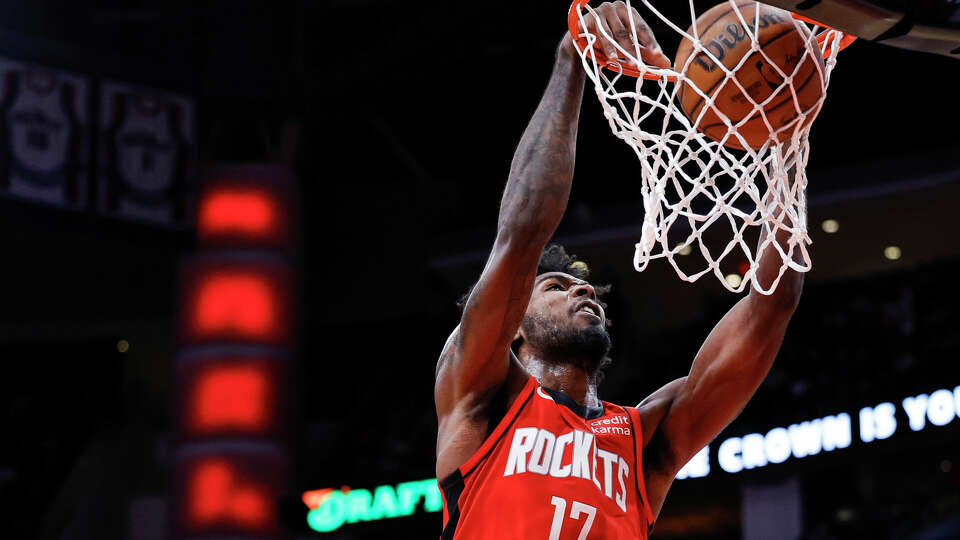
x=525, y=448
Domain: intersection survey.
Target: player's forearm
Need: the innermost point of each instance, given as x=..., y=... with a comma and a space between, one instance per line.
x=542, y=169
x=787, y=293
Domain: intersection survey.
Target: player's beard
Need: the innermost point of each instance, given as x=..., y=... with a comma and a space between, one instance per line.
x=562, y=342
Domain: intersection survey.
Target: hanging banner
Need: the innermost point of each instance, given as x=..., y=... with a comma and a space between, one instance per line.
x=146, y=154
x=45, y=146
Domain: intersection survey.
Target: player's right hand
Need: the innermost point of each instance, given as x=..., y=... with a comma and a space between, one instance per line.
x=615, y=19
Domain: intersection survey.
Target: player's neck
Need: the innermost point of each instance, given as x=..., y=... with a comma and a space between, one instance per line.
x=567, y=378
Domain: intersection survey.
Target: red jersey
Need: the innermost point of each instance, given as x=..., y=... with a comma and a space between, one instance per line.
x=552, y=469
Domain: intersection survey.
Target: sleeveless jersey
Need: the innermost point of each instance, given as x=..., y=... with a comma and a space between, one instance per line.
x=552, y=469
x=42, y=137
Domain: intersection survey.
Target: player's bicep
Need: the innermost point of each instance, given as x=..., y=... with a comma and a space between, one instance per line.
x=492, y=315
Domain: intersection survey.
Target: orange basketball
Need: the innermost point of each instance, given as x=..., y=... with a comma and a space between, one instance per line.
x=722, y=33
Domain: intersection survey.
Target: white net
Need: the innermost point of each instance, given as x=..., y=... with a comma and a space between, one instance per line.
x=701, y=190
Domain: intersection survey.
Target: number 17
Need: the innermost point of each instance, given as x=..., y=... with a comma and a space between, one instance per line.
x=577, y=508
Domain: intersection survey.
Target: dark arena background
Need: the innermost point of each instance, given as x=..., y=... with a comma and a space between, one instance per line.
x=197, y=347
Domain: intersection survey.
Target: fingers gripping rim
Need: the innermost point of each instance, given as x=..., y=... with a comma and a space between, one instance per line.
x=580, y=40
x=582, y=43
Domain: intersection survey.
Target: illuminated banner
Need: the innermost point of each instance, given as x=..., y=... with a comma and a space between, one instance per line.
x=44, y=125
x=331, y=508
x=834, y=432
x=232, y=399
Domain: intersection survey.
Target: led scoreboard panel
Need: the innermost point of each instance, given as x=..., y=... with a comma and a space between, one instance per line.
x=236, y=334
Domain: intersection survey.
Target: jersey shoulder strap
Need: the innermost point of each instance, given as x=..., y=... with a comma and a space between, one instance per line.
x=451, y=487
x=637, y=428
x=491, y=441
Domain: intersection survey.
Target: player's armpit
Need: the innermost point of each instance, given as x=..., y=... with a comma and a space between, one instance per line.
x=654, y=408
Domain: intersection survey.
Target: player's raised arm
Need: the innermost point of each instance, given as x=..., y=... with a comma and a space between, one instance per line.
x=686, y=414
x=475, y=359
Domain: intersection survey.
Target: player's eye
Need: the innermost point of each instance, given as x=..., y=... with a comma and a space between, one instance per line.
x=554, y=287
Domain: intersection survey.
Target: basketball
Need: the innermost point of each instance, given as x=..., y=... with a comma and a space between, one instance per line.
x=725, y=37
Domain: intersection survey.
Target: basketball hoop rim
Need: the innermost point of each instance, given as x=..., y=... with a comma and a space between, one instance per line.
x=664, y=73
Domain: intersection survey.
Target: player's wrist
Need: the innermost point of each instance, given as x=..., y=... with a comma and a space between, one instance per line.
x=566, y=50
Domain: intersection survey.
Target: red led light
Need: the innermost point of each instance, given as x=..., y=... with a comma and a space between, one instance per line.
x=236, y=303
x=237, y=211
x=231, y=416
x=218, y=496
x=231, y=397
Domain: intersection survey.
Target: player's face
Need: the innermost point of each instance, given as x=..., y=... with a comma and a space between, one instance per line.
x=563, y=297
x=564, y=318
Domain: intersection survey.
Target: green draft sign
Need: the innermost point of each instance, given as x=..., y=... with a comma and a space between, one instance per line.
x=330, y=508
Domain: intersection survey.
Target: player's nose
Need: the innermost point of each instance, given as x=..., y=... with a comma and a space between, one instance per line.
x=584, y=289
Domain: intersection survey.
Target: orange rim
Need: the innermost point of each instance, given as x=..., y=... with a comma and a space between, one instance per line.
x=845, y=41
x=573, y=20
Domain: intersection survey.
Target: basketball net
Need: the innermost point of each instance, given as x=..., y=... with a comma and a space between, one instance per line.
x=693, y=184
